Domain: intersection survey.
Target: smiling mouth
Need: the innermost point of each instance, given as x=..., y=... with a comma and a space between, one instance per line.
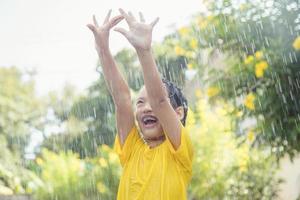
x=149, y=121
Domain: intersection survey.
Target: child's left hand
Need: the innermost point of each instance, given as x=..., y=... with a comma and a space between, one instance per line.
x=140, y=33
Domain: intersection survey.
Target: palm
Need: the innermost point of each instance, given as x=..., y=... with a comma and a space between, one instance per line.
x=140, y=33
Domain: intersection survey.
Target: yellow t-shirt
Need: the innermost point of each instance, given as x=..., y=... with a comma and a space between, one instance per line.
x=159, y=173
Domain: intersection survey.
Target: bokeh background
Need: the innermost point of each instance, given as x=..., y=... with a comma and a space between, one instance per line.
x=238, y=62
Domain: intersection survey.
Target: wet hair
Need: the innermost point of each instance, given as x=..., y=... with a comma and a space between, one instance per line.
x=176, y=97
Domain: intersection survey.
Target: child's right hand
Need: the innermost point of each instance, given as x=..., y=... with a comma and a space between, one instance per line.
x=101, y=33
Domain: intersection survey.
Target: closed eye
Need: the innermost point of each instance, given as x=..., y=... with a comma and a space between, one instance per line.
x=139, y=102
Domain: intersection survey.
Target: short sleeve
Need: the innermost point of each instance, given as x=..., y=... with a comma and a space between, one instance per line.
x=184, y=154
x=124, y=152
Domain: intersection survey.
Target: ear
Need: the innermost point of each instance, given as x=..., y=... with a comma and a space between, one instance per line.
x=180, y=112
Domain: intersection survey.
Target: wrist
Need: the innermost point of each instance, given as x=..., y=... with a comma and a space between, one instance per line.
x=103, y=51
x=102, y=44
x=102, y=48
x=143, y=52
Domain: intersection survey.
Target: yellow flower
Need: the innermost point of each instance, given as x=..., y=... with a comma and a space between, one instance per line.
x=259, y=72
x=39, y=161
x=46, y=175
x=179, y=51
x=105, y=147
x=190, y=66
x=259, y=54
x=198, y=93
x=103, y=162
x=183, y=31
x=112, y=157
x=243, y=165
x=260, y=67
x=239, y=113
x=296, y=43
x=243, y=158
x=202, y=23
x=28, y=190
x=249, y=60
x=210, y=17
x=262, y=64
x=212, y=91
x=249, y=101
x=250, y=136
x=221, y=111
x=190, y=119
x=101, y=187
x=193, y=43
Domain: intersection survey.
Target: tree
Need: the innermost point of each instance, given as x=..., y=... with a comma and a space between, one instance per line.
x=263, y=58
x=249, y=54
x=21, y=114
x=84, y=121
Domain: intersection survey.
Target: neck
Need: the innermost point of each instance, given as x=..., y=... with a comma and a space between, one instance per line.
x=153, y=142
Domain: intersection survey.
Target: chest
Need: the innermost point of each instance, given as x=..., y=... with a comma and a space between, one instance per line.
x=155, y=163
x=154, y=173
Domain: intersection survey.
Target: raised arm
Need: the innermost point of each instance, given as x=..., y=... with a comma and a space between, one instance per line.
x=116, y=84
x=140, y=36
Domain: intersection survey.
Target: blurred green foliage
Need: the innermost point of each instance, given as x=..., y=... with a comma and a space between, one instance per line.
x=20, y=109
x=66, y=176
x=225, y=167
x=248, y=53
x=86, y=121
x=262, y=57
x=239, y=65
x=21, y=115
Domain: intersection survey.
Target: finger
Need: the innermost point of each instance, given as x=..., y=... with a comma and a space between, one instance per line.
x=126, y=16
x=107, y=16
x=142, y=17
x=114, y=21
x=117, y=18
x=131, y=15
x=91, y=27
x=154, y=22
x=122, y=31
x=95, y=21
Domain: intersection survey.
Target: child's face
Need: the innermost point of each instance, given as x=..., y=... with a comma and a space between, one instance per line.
x=148, y=123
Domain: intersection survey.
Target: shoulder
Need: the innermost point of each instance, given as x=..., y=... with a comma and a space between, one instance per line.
x=132, y=141
x=185, y=148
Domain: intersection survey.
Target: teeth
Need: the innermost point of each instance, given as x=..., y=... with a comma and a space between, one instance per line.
x=145, y=119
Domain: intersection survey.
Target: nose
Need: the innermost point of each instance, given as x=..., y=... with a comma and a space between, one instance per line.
x=147, y=108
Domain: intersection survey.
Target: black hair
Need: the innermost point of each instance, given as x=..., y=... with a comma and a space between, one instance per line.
x=176, y=97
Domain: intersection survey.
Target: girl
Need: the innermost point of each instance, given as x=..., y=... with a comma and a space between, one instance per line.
x=156, y=155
